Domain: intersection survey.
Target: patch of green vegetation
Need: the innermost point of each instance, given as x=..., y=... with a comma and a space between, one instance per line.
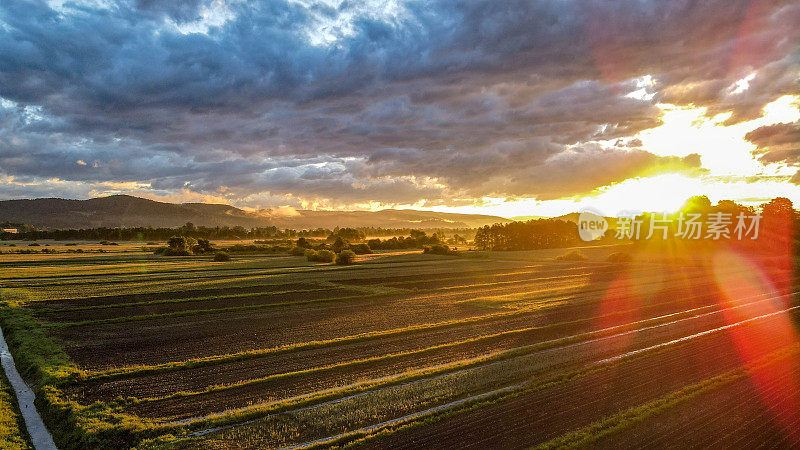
x=323, y=256
x=345, y=258
x=13, y=435
x=222, y=257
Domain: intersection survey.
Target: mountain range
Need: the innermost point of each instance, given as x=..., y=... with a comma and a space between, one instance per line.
x=129, y=211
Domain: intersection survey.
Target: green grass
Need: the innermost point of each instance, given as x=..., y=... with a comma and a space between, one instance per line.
x=13, y=435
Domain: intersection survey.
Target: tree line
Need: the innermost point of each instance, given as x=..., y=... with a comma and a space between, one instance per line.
x=530, y=235
x=161, y=234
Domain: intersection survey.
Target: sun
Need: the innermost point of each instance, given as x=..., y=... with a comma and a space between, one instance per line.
x=723, y=149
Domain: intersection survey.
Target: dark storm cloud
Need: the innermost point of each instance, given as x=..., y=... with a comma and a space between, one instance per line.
x=505, y=98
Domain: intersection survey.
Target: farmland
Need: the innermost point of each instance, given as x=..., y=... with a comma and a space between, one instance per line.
x=404, y=349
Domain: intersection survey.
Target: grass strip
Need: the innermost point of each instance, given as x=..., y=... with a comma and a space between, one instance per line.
x=13, y=434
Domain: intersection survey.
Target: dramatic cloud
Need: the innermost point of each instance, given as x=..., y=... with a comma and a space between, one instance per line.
x=342, y=103
x=777, y=143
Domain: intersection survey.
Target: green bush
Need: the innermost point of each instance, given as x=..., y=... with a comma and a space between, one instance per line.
x=438, y=249
x=179, y=246
x=361, y=249
x=346, y=257
x=325, y=256
x=203, y=246
x=222, y=257
x=339, y=245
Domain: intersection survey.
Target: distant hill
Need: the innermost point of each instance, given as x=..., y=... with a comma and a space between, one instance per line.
x=129, y=211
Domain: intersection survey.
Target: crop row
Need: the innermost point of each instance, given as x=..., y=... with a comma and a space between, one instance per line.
x=450, y=356
x=518, y=290
x=300, y=322
x=206, y=293
x=534, y=414
x=384, y=405
x=497, y=369
x=108, y=285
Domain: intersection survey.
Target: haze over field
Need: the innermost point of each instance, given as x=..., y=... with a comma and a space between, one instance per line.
x=512, y=108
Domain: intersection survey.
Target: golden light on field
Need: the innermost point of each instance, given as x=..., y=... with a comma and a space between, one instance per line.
x=777, y=384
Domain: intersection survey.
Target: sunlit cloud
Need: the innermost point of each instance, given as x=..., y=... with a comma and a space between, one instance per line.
x=723, y=149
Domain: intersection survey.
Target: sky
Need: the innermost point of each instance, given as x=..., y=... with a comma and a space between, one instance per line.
x=512, y=108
